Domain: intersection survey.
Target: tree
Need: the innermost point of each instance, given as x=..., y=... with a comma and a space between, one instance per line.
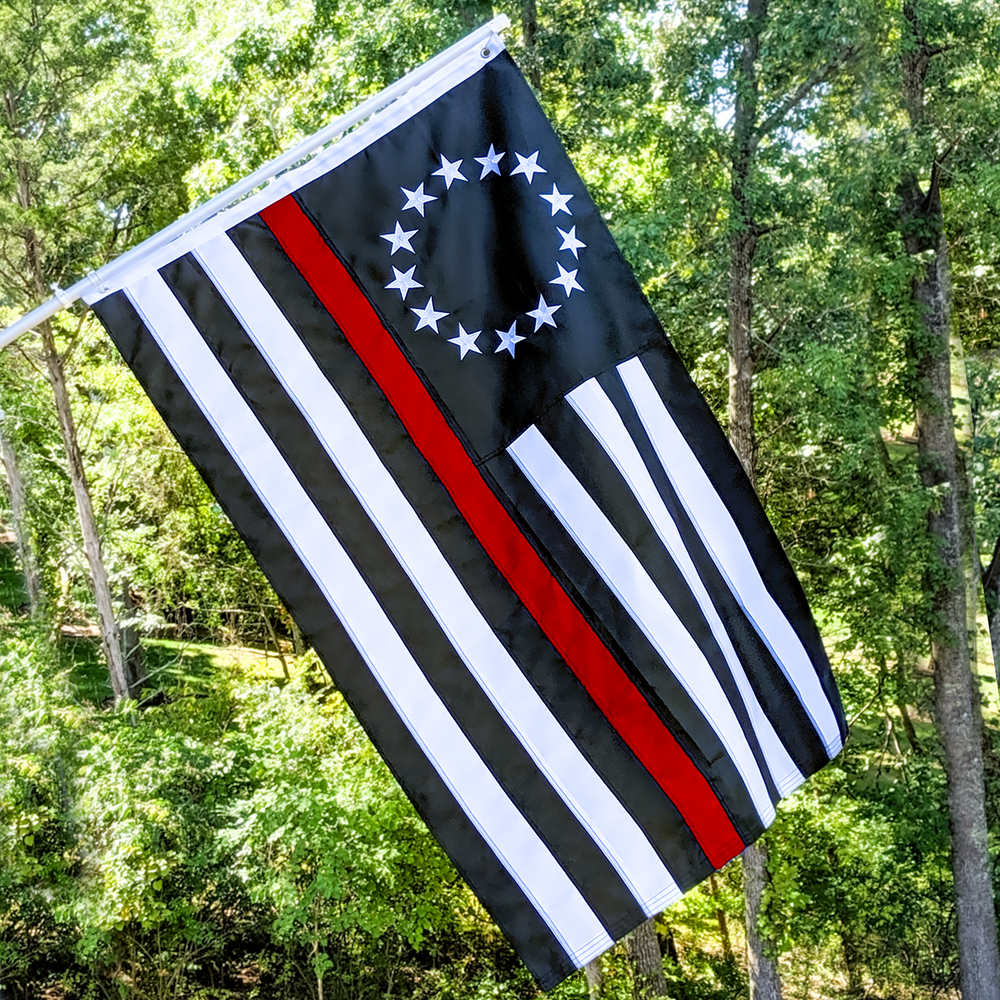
x=958, y=713
x=15, y=484
x=78, y=144
x=765, y=96
x=647, y=961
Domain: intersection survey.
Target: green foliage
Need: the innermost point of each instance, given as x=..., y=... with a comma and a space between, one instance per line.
x=231, y=823
x=232, y=836
x=38, y=726
x=348, y=864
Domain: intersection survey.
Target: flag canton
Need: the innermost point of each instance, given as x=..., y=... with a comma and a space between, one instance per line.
x=475, y=239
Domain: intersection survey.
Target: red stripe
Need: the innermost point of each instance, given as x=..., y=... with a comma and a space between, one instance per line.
x=560, y=619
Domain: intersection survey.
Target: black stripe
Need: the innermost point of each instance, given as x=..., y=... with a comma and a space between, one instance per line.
x=572, y=846
x=700, y=429
x=490, y=881
x=776, y=695
x=599, y=476
x=520, y=634
x=628, y=643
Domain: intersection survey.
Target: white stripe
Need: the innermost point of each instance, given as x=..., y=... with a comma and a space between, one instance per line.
x=555, y=754
x=624, y=574
x=516, y=845
x=723, y=540
x=597, y=411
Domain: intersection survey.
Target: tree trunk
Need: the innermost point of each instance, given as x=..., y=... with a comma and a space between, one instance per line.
x=88, y=524
x=743, y=245
x=298, y=642
x=32, y=581
x=741, y=353
x=991, y=591
x=720, y=916
x=957, y=709
x=67, y=427
x=135, y=660
x=595, y=979
x=529, y=28
x=647, y=961
x=964, y=439
x=765, y=982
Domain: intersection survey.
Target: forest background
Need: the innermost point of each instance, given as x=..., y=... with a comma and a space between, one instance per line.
x=778, y=175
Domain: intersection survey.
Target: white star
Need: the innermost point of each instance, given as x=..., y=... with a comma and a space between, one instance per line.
x=400, y=239
x=567, y=279
x=450, y=172
x=543, y=314
x=490, y=162
x=508, y=339
x=417, y=199
x=528, y=165
x=466, y=341
x=405, y=281
x=570, y=242
x=429, y=316
x=557, y=200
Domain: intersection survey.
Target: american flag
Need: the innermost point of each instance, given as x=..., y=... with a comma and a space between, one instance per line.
x=424, y=385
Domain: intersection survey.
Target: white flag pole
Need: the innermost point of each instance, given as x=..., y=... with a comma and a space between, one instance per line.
x=232, y=194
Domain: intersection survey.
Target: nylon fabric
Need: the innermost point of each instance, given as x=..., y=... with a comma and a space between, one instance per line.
x=507, y=547
x=473, y=856
x=558, y=687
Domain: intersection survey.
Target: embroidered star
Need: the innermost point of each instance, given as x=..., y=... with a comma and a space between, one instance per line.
x=508, y=339
x=466, y=341
x=450, y=172
x=490, y=162
x=429, y=316
x=570, y=242
x=405, y=281
x=567, y=279
x=528, y=165
x=400, y=239
x=543, y=314
x=557, y=200
x=417, y=199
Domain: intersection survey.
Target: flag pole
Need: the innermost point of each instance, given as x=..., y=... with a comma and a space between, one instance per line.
x=64, y=298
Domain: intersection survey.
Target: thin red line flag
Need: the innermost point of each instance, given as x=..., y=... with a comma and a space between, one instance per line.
x=423, y=383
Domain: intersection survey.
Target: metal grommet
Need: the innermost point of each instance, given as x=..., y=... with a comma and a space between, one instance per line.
x=487, y=52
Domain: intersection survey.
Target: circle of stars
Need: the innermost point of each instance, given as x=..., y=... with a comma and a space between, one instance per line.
x=405, y=281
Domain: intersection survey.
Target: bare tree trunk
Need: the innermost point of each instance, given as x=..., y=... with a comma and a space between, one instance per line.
x=991, y=591
x=743, y=245
x=529, y=28
x=720, y=916
x=742, y=359
x=135, y=660
x=18, y=506
x=595, y=979
x=67, y=427
x=964, y=439
x=957, y=708
x=88, y=524
x=298, y=642
x=765, y=982
x=647, y=961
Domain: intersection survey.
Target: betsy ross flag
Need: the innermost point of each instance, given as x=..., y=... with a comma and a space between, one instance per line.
x=424, y=385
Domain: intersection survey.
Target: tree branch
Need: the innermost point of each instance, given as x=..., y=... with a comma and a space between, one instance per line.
x=804, y=89
x=990, y=574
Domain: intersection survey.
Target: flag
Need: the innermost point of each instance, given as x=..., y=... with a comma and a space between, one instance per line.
x=423, y=383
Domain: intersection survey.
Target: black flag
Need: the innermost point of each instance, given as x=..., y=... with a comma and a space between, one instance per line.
x=424, y=385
